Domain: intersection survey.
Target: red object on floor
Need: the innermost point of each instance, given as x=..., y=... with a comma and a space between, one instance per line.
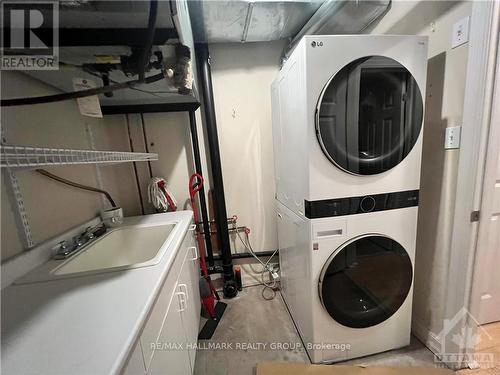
x=195, y=185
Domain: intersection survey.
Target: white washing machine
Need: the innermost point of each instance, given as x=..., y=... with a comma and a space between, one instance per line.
x=347, y=118
x=348, y=280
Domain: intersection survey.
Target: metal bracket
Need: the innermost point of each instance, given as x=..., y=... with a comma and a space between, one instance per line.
x=91, y=141
x=474, y=216
x=17, y=203
x=19, y=210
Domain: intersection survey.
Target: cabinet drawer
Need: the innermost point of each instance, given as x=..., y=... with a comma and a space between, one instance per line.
x=154, y=323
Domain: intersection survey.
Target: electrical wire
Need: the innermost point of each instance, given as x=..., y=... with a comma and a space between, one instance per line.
x=266, y=268
x=78, y=94
x=95, y=74
x=77, y=185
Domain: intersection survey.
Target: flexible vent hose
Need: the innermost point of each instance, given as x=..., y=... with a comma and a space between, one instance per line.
x=77, y=185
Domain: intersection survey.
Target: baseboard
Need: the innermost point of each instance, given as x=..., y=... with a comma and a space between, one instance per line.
x=428, y=338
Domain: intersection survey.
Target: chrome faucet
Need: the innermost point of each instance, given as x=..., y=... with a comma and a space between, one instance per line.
x=65, y=249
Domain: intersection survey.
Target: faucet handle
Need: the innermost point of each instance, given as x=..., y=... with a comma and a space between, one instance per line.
x=79, y=240
x=61, y=248
x=89, y=233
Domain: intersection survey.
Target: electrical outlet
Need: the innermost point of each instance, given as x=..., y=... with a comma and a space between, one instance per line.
x=452, y=137
x=460, y=32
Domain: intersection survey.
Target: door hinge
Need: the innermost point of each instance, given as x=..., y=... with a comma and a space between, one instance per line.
x=474, y=216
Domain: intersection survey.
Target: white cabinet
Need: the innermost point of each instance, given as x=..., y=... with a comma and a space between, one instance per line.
x=189, y=280
x=171, y=355
x=135, y=363
x=169, y=336
x=175, y=352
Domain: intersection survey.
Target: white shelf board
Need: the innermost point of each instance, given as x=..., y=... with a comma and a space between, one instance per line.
x=34, y=157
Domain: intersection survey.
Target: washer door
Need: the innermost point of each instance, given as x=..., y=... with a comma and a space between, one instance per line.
x=369, y=116
x=366, y=281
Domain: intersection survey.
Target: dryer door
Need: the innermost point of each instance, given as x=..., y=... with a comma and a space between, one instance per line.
x=366, y=281
x=369, y=116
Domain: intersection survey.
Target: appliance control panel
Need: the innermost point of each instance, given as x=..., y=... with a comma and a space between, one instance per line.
x=360, y=205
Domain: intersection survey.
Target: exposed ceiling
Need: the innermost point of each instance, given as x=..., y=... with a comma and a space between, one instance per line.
x=96, y=31
x=222, y=21
x=219, y=21
x=90, y=30
x=111, y=14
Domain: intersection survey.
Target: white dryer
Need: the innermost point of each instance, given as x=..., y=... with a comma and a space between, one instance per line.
x=347, y=118
x=348, y=280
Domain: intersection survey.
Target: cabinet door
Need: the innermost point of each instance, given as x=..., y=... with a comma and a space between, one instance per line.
x=135, y=363
x=189, y=282
x=171, y=356
x=158, y=313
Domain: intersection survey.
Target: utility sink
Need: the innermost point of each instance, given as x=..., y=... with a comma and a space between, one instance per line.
x=121, y=248
x=125, y=247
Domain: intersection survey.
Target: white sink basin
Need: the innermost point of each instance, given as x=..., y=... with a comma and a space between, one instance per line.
x=121, y=248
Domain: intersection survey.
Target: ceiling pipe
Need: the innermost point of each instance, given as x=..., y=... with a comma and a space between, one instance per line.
x=201, y=196
x=248, y=19
x=230, y=288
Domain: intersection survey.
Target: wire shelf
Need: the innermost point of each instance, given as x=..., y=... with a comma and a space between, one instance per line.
x=34, y=157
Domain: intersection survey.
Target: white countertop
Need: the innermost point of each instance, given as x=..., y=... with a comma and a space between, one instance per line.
x=83, y=325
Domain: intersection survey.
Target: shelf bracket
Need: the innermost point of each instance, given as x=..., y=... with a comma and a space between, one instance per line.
x=19, y=209
x=17, y=203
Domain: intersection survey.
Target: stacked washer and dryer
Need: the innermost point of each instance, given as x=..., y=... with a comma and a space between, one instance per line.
x=347, y=129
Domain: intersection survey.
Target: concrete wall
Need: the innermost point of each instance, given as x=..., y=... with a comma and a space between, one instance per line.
x=444, y=106
x=242, y=76
x=53, y=208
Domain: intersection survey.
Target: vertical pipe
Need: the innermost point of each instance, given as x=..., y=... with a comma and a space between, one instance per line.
x=215, y=162
x=203, y=202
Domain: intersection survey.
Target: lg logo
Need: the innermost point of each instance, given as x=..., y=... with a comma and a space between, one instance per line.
x=315, y=44
x=30, y=35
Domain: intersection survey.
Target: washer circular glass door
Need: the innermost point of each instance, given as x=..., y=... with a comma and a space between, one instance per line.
x=369, y=116
x=366, y=281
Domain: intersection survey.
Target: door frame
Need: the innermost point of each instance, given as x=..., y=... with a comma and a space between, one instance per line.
x=480, y=78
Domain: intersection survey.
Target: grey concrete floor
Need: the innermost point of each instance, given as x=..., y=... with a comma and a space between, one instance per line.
x=251, y=329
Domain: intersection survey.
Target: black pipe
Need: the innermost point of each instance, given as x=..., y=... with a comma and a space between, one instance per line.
x=148, y=43
x=230, y=287
x=249, y=255
x=203, y=202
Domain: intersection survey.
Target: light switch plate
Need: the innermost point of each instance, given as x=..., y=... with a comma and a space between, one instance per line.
x=452, y=137
x=460, y=32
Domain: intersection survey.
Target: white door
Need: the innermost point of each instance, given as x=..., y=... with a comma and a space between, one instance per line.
x=488, y=245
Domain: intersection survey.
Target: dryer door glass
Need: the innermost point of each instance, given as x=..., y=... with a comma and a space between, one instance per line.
x=366, y=282
x=369, y=116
